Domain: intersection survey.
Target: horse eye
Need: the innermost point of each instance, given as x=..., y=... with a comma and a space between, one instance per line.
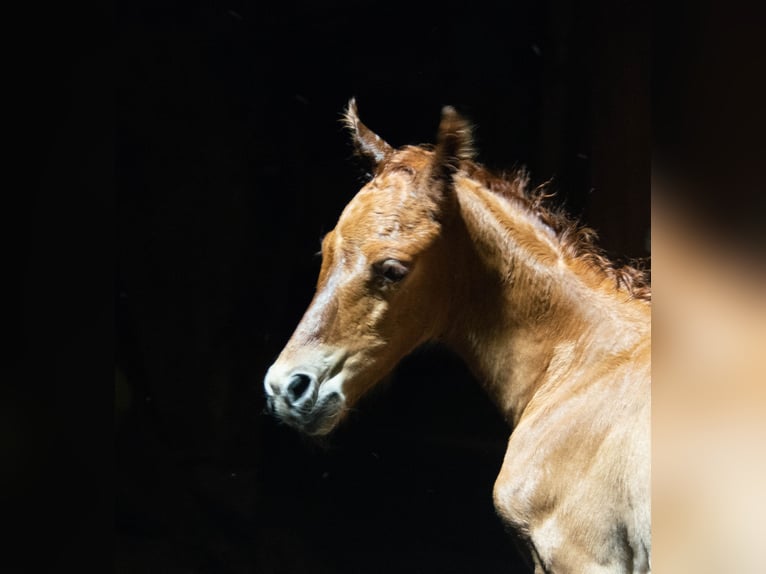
x=392, y=270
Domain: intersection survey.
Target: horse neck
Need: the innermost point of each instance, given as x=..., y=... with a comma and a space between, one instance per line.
x=524, y=317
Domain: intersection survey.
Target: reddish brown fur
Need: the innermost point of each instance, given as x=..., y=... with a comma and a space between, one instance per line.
x=577, y=241
x=559, y=336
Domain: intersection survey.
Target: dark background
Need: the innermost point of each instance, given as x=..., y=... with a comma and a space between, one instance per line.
x=230, y=164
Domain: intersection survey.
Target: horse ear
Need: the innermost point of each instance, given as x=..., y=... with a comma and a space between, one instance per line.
x=367, y=143
x=454, y=142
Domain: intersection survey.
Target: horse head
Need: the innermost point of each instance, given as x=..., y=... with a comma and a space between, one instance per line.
x=383, y=287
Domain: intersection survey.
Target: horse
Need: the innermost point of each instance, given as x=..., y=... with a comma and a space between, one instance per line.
x=436, y=247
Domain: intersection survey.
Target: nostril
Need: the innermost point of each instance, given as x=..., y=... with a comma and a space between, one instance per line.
x=299, y=384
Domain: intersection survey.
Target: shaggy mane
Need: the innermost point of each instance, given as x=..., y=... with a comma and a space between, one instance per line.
x=577, y=241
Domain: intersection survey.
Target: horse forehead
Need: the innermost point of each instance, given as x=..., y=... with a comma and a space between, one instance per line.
x=388, y=205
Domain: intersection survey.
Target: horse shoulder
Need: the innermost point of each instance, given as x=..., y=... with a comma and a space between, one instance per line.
x=574, y=482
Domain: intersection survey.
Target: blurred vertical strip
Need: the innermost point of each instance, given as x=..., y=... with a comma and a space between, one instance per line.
x=709, y=389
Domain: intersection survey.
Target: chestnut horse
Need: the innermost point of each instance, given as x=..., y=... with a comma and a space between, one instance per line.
x=435, y=247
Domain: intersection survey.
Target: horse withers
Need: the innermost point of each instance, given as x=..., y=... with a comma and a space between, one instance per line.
x=437, y=248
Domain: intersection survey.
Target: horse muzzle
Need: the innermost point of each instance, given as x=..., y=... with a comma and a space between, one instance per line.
x=302, y=401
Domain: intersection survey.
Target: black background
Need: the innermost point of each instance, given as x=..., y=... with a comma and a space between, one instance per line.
x=230, y=164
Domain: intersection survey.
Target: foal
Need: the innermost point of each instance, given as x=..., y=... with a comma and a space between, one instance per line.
x=434, y=247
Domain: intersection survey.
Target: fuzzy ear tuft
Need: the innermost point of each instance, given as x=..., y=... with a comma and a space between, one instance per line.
x=366, y=143
x=454, y=141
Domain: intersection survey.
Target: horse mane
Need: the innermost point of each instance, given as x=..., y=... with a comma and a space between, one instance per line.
x=576, y=240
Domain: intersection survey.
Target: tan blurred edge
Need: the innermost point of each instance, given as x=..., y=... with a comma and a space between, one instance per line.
x=708, y=397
